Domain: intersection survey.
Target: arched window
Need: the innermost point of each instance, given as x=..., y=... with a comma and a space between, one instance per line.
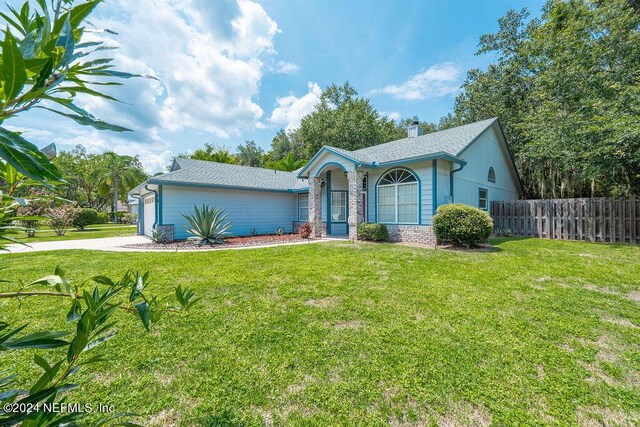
x=398, y=197
x=492, y=175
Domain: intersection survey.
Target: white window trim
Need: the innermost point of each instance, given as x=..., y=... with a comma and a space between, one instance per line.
x=300, y=207
x=396, y=204
x=486, y=199
x=340, y=206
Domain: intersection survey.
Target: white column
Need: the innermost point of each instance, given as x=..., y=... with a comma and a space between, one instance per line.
x=355, y=202
x=315, y=206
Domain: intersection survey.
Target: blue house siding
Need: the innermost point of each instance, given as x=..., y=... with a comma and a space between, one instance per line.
x=263, y=210
x=484, y=153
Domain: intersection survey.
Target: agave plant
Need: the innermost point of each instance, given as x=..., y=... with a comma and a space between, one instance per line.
x=207, y=224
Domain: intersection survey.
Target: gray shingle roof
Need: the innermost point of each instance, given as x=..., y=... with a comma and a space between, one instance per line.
x=449, y=141
x=202, y=172
x=199, y=172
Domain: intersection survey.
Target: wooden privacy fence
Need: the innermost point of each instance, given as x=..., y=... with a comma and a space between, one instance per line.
x=595, y=220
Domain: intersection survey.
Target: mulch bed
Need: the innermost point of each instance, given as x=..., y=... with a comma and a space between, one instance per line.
x=230, y=242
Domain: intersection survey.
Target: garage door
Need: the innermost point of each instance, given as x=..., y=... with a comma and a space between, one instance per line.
x=149, y=215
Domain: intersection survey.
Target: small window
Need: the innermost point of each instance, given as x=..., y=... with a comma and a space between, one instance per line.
x=483, y=199
x=303, y=207
x=492, y=175
x=338, y=206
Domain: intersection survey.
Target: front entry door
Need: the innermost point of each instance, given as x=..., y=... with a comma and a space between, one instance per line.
x=337, y=218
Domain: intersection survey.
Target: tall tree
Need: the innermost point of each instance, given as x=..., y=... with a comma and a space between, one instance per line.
x=288, y=163
x=121, y=174
x=82, y=173
x=212, y=153
x=249, y=154
x=344, y=120
x=285, y=143
x=567, y=90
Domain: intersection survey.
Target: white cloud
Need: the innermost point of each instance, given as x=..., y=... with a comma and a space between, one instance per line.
x=208, y=77
x=290, y=109
x=393, y=115
x=284, y=67
x=435, y=82
x=209, y=58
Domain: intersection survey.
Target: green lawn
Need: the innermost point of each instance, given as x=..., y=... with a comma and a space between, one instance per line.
x=536, y=332
x=45, y=234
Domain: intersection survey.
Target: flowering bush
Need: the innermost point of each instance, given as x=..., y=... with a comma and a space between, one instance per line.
x=305, y=230
x=34, y=208
x=61, y=218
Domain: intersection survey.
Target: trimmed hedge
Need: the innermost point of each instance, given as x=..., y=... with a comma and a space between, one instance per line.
x=462, y=225
x=103, y=218
x=84, y=217
x=373, y=232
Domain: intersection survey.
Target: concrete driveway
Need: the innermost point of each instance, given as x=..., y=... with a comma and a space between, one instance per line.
x=104, y=244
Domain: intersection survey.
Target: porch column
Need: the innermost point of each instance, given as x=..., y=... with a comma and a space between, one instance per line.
x=355, y=202
x=315, y=206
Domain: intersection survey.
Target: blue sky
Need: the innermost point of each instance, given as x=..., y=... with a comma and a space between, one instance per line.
x=231, y=71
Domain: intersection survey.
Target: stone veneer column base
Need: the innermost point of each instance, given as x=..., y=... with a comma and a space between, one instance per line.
x=412, y=234
x=297, y=224
x=167, y=232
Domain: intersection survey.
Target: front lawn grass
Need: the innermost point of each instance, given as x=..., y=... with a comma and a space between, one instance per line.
x=97, y=231
x=536, y=332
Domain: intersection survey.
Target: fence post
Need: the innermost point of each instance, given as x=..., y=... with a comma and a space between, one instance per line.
x=623, y=221
x=580, y=230
x=634, y=220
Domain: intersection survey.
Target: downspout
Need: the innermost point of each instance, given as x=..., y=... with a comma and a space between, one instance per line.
x=434, y=186
x=328, y=208
x=155, y=206
x=137, y=196
x=451, y=179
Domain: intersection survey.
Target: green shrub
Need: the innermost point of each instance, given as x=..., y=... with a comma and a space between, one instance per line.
x=84, y=217
x=103, y=218
x=373, y=232
x=462, y=225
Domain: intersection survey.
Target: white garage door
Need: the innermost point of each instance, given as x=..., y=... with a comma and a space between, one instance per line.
x=149, y=215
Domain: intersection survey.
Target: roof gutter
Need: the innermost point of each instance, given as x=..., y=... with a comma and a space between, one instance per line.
x=227, y=187
x=439, y=155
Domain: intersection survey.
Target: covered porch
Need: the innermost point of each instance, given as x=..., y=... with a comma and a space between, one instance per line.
x=337, y=196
